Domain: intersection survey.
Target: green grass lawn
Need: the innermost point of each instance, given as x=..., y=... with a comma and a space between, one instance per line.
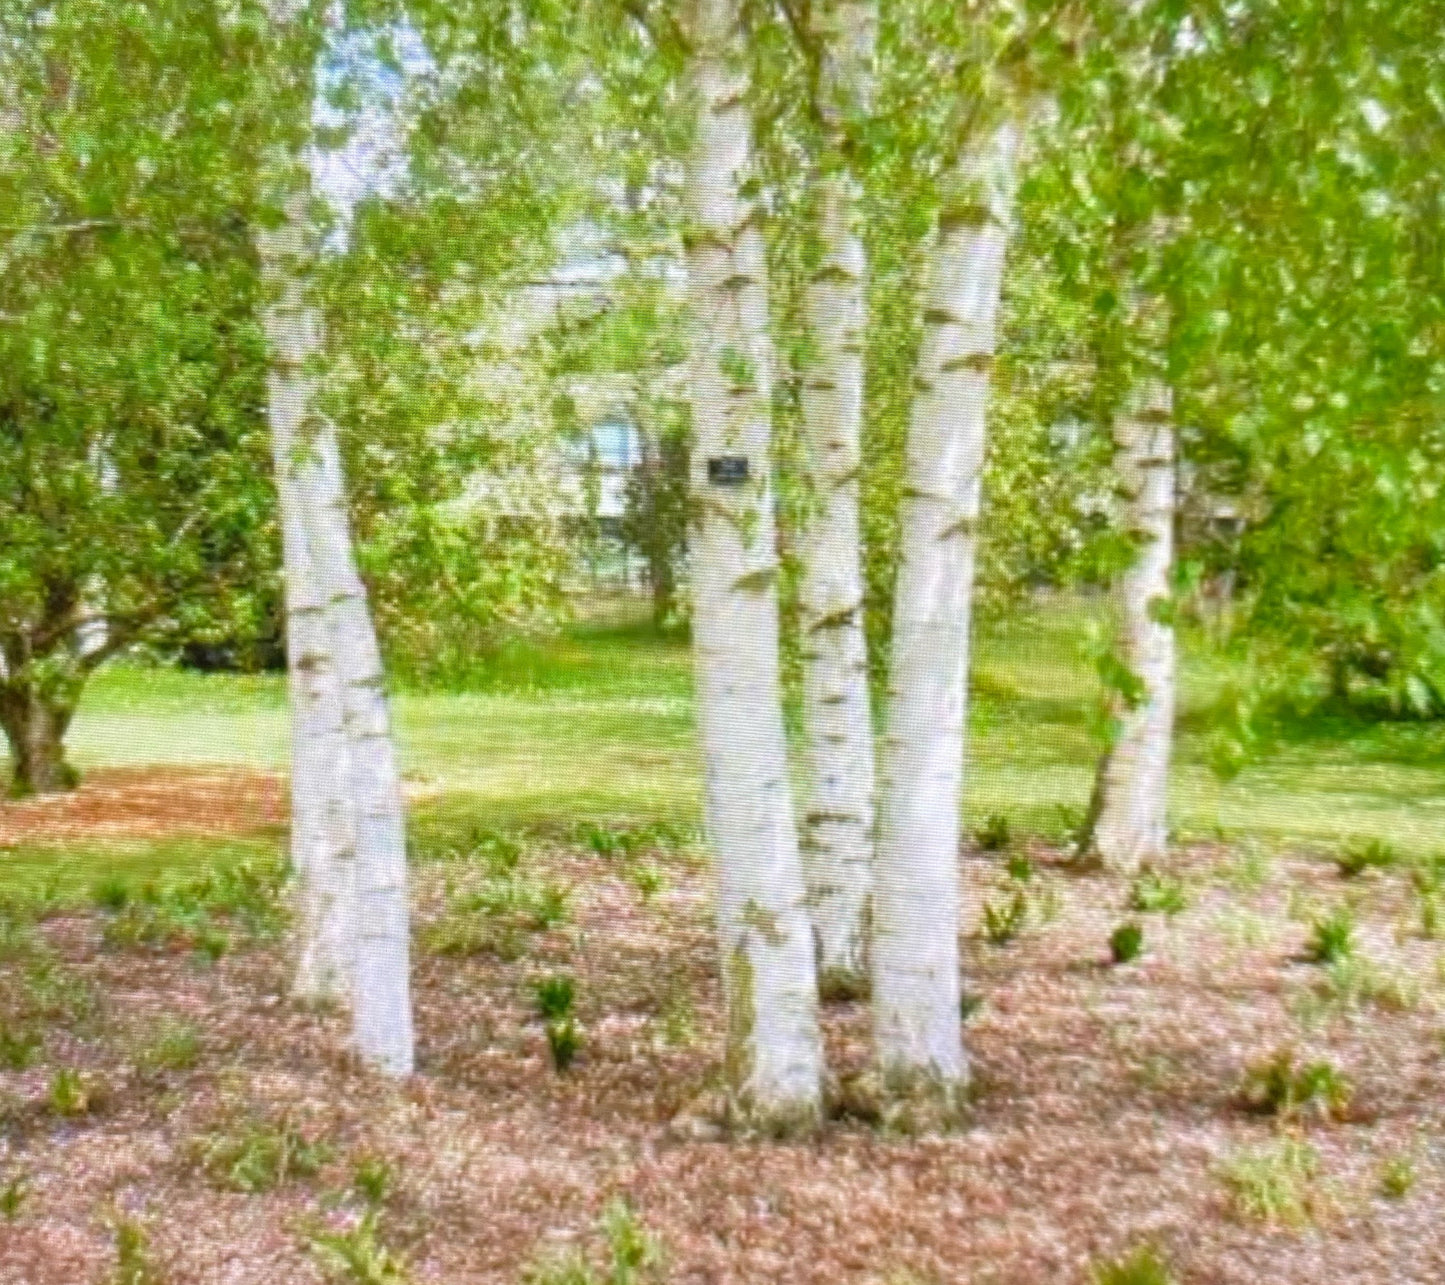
x=598, y=724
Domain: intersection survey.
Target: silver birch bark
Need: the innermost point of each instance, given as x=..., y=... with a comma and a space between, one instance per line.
x=1131, y=825
x=915, y=961
x=357, y=910
x=838, y=748
x=774, y=1056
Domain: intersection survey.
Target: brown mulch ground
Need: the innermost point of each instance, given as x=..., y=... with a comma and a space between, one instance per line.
x=1107, y=1105
x=145, y=802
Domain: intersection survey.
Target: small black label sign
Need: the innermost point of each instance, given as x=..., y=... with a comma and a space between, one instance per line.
x=727, y=470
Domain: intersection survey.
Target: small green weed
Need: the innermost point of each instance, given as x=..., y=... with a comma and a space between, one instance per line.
x=133, y=1262
x=633, y=1256
x=72, y=1094
x=556, y=999
x=373, y=1179
x=1332, y=936
x=358, y=1256
x=260, y=1156
x=1360, y=855
x=176, y=1046
x=1281, y=1086
x=1276, y=1183
x=1141, y=1266
x=19, y=1047
x=1154, y=892
x=995, y=834
x=1398, y=1177
x=1006, y=917
x=1126, y=942
x=13, y=1192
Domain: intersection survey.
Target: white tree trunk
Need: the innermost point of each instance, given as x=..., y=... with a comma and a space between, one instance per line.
x=837, y=830
x=774, y=1057
x=915, y=962
x=354, y=910
x=1131, y=826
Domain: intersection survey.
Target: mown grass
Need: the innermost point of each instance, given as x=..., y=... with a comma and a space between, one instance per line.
x=598, y=723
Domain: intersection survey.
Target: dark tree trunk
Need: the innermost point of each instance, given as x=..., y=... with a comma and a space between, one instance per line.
x=35, y=728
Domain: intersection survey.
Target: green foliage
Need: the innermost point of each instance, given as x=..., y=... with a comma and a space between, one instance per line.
x=358, y=1256
x=1140, y=1266
x=1005, y=917
x=1275, y=1183
x=1398, y=1176
x=633, y=1255
x=176, y=1046
x=13, y=1193
x=199, y=914
x=994, y=835
x=260, y=1155
x=19, y=1047
x=72, y=1094
x=134, y=1264
x=1126, y=942
x=1332, y=936
x=1284, y=1087
x=373, y=1179
x=1360, y=855
x=556, y=1003
x=1157, y=892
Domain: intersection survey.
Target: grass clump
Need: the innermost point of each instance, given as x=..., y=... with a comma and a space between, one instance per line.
x=358, y=1256
x=1332, y=936
x=1154, y=892
x=19, y=1047
x=995, y=834
x=1276, y=1183
x=1006, y=917
x=134, y=1264
x=72, y=1094
x=1282, y=1086
x=260, y=1156
x=632, y=1256
x=176, y=1046
x=1397, y=1177
x=14, y=1190
x=1141, y=1266
x=373, y=1179
x=1360, y=855
x=556, y=999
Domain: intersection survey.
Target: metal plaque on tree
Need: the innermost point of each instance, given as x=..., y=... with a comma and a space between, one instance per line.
x=727, y=470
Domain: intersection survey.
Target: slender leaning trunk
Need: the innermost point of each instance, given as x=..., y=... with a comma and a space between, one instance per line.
x=1132, y=791
x=774, y=1057
x=915, y=963
x=837, y=828
x=357, y=907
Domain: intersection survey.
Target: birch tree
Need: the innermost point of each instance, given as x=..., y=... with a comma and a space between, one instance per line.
x=1130, y=809
x=915, y=963
x=350, y=841
x=838, y=749
x=773, y=1050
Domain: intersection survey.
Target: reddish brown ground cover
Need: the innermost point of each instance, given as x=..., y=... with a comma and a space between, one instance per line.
x=1107, y=1114
x=145, y=802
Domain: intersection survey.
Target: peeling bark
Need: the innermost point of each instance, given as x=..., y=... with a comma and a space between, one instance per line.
x=838, y=747
x=774, y=1056
x=916, y=907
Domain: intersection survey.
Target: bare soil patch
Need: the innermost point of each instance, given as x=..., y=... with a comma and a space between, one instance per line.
x=1108, y=1110
x=147, y=802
